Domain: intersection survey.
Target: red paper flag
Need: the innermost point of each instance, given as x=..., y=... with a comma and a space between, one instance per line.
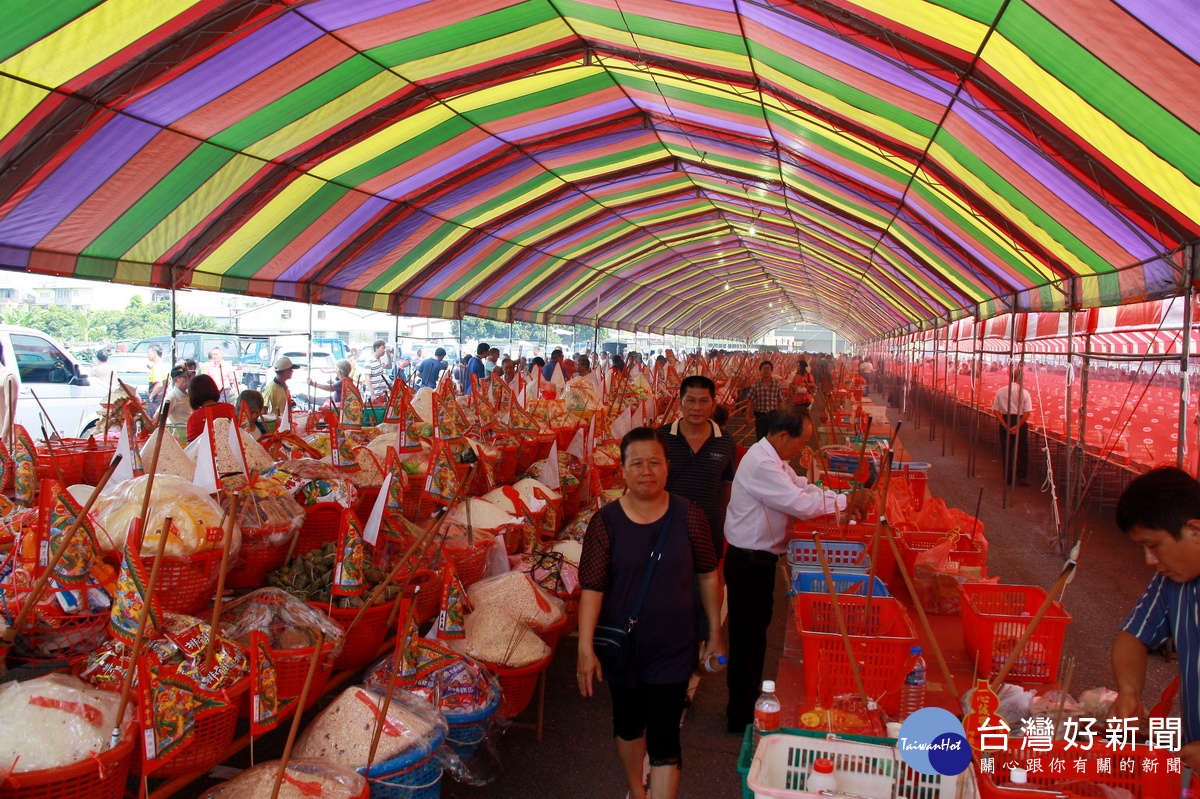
x=130, y=594
x=167, y=708
x=454, y=606
x=442, y=482
x=25, y=482
x=264, y=687
x=348, y=577
x=352, y=405
x=396, y=401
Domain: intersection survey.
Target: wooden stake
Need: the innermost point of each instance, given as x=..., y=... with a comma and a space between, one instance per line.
x=303, y=701
x=840, y=619
x=11, y=633
x=397, y=666
x=924, y=619
x=226, y=541
x=36, y=399
x=108, y=401
x=143, y=615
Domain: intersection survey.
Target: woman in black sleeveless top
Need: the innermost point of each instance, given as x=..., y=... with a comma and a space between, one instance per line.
x=648, y=696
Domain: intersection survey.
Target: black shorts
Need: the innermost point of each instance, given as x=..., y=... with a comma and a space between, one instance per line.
x=652, y=710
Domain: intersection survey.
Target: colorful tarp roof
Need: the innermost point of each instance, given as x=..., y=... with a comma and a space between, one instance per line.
x=721, y=166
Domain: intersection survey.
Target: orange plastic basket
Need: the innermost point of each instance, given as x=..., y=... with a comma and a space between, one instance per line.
x=572, y=607
x=365, y=503
x=322, y=523
x=68, y=457
x=361, y=644
x=416, y=504
x=881, y=638
x=570, y=503
x=832, y=531
x=257, y=560
x=186, y=585
x=469, y=563
x=964, y=551
x=996, y=616
x=211, y=737
x=102, y=777
x=517, y=685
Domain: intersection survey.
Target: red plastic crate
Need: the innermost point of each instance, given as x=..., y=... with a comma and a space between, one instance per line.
x=965, y=552
x=881, y=637
x=322, y=523
x=996, y=616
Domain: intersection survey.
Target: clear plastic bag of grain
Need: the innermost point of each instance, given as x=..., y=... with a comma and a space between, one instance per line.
x=303, y=779
x=516, y=593
x=494, y=635
x=54, y=721
x=342, y=733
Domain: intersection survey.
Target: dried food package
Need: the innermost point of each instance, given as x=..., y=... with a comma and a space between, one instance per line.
x=288, y=622
x=518, y=594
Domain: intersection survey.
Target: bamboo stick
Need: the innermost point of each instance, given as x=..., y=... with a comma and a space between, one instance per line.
x=1019, y=647
x=226, y=541
x=397, y=667
x=318, y=648
x=924, y=619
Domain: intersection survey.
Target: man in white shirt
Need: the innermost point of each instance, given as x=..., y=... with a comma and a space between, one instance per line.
x=766, y=496
x=222, y=373
x=1012, y=406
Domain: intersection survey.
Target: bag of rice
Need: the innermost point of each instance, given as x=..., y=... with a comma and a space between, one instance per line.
x=54, y=721
x=257, y=458
x=342, y=733
x=494, y=635
x=172, y=460
x=516, y=593
x=303, y=779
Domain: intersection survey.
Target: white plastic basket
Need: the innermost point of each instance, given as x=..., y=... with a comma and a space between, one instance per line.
x=782, y=762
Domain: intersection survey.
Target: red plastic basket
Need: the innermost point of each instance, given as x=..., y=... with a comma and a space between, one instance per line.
x=542, y=442
x=1147, y=778
x=469, y=563
x=186, y=585
x=517, y=685
x=996, y=616
x=361, y=644
x=572, y=607
x=257, y=560
x=291, y=667
x=570, y=503
x=881, y=638
x=964, y=552
x=429, y=600
x=563, y=436
x=506, y=466
x=102, y=777
x=551, y=634
x=365, y=503
x=59, y=638
x=68, y=457
x=96, y=458
x=322, y=524
x=211, y=737
x=416, y=504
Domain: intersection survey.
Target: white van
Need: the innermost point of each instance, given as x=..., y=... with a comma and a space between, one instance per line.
x=46, y=368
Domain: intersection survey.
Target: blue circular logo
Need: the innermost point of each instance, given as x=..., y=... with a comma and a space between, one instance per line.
x=932, y=741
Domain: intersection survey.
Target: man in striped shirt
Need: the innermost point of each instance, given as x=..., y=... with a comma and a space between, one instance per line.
x=376, y=371
x=1160, y=511
x=765, y=395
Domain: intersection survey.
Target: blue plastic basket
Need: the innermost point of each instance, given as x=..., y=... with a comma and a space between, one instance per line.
x=468, y=729
x=852, y=584
x=415, y=774
x=842, y=556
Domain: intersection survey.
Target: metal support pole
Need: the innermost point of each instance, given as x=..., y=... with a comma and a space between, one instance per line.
x=174, y=330
x=1007, y=444
x=977, y=380
x=1085, y=368
x=1181, y=450
x=312, y=399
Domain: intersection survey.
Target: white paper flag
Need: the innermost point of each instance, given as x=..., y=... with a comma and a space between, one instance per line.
x=371, y=530
x=206, y=472
x=577, y=447
x=622, y=424
x=235, y=446
x=550, y=473
x=124, y=470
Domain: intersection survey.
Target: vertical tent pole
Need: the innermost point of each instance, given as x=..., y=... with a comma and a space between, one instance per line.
x=976, y=382
x=174, y=329
x=952, y=391
x=1010, y=462
x=1181, y=448
x=1085, y=368
x=933, y=392
x=1068, y=471
x=312, y=397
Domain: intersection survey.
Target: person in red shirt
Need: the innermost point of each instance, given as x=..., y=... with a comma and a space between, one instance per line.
x=205, y=397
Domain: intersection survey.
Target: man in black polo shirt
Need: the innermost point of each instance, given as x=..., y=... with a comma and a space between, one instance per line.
x=701, y=458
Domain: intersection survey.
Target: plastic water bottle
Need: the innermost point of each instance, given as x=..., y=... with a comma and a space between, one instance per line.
x=1017, y=778
x=821, y=777
x=767, y=711
x=912, y=695
x=712, y=664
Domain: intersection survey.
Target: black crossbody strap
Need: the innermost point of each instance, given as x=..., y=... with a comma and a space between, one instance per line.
x=655, y=556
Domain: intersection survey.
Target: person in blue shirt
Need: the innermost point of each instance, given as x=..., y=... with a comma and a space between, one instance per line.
x=1160, y=511
x=556, y=359
x=475, y=366
x=431, y=368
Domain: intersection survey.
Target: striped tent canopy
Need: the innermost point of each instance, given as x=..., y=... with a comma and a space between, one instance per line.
x=714, y=166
